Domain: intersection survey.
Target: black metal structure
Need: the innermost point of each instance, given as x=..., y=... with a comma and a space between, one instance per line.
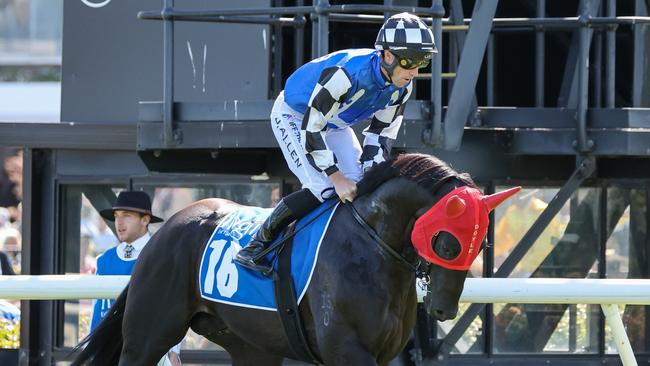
x=180, y=93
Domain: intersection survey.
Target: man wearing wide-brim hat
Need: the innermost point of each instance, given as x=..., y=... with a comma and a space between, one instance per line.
x=132, y=216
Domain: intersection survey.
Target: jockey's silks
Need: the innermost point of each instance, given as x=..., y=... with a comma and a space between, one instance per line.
x=462, y=213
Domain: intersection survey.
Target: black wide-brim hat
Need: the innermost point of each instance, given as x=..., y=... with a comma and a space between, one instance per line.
x=136, y=201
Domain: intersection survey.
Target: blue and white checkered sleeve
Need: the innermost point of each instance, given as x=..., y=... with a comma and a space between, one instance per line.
x=382, y=131
x=328, y=94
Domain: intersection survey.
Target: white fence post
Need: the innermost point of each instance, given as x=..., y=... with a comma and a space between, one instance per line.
x=623, y=345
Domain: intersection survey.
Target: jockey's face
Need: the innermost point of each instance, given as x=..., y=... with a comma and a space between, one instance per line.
x=401, y=76
x=130, y=225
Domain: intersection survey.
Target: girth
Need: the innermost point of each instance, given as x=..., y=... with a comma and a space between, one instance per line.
x=285, y=296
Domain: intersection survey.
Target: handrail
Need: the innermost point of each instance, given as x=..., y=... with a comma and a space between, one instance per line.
x=350, y=8
x=476, y=290
x=606, y=292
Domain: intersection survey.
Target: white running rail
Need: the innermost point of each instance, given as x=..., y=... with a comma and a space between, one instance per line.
x=608, y=293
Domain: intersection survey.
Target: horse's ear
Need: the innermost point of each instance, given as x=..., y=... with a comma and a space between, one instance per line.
x=455, y=206
x=495, y=199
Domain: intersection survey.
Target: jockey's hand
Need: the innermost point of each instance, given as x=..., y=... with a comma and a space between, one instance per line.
x=366, y=165
x=345, y=188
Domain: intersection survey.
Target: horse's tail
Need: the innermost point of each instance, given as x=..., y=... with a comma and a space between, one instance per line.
x=104, y=345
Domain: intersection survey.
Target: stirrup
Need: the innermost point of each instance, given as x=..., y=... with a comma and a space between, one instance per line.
x=266, y=270
x=251, y=262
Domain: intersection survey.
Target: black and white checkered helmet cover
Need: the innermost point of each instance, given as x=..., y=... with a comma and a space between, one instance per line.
x=405, y=31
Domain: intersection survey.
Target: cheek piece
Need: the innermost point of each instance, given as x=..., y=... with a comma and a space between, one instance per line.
x=463, y=213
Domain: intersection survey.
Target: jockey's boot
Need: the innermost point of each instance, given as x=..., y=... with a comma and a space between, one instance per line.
x=290, y=208
x=279, y=219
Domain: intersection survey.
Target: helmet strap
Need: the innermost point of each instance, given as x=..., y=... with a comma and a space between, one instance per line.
x=389, y=67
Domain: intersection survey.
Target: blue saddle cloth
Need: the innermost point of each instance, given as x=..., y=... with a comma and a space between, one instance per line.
x=224, y=280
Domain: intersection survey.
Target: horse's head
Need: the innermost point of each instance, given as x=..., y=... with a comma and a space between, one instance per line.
x=450, y=226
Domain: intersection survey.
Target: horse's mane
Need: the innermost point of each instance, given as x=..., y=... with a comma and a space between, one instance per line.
x=425, y=170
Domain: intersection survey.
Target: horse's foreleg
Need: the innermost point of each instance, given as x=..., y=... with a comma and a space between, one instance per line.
x=338, y=349
x=247, y=355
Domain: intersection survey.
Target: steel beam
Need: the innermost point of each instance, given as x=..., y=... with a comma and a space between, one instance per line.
x=70, y=135
x=641, y=79
x=620, y=132
x=566, y=22
x=433, y=135
x=490, y=78
x=606, y=142
x=554, y=119
x=457, y=39
x=462, y=94
x=583, y=144
x=155, y=15
x=299, y=39
x=178, y=14
x=277, y=52
x=39, y=251
x=322, y=8
x=314, y=35
x=456, y=16
x=212, y=135
x=597, y=70
x=585, y=169
x=168, y=74
x=30, y=234
x=285, y=21
x=539, y=56
x=569, y=89
x=610, y=58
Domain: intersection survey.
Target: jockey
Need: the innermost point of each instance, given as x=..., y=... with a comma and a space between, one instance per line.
x=311, y=119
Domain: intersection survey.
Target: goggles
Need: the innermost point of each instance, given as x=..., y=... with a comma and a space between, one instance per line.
x=412, y=59
x=407, y=63
x=462, y=213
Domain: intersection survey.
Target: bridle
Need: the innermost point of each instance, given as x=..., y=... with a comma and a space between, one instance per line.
x=399, y=257
x=419, y=266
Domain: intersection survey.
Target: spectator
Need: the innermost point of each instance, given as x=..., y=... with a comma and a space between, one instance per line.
x=10, y=244
x=5, y=265
x=132, y=216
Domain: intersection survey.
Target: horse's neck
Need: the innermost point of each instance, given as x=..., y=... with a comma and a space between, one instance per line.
x=391, y=208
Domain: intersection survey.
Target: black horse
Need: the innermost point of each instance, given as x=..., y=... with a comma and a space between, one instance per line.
x=359, y=309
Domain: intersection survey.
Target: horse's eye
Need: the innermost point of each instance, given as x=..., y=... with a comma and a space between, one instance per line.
x=445, y=245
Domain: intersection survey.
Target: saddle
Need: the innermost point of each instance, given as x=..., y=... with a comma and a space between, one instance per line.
x=293, y=256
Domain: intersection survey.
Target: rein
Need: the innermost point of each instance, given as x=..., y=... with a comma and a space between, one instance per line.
x=418, y=267
x=381, y=243
x=290, y=235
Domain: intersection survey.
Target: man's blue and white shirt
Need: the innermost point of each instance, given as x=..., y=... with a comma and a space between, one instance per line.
x=114, y=262
x=342, y=89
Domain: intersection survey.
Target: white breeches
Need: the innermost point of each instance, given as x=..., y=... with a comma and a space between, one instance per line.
x=285, y=123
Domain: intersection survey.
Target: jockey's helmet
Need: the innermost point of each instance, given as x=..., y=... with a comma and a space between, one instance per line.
x=409, y=39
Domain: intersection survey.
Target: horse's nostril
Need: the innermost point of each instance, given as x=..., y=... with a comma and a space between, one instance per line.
x=442, y=315
x=439, y=314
